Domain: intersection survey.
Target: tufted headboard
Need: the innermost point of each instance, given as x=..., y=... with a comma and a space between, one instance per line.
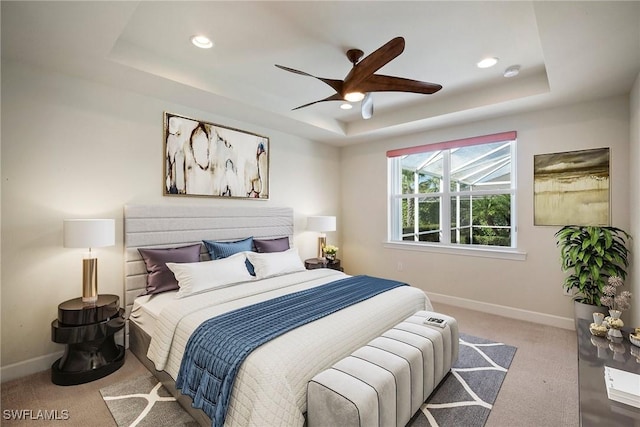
x=158, y=226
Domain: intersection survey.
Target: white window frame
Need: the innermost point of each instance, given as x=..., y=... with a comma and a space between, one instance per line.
x=394, y=231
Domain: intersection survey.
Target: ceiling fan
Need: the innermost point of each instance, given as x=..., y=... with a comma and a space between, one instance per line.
x=362, y=80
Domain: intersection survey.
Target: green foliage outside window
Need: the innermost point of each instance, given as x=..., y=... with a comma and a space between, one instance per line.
x=489, y=214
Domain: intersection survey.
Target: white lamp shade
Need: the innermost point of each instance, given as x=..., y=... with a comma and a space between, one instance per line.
x=89, y=233
x=321, y=223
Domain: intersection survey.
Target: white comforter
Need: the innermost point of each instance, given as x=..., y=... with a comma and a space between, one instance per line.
x=270, y=388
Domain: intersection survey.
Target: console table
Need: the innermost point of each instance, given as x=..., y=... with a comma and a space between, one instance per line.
x=87, y=329
x=596, y=409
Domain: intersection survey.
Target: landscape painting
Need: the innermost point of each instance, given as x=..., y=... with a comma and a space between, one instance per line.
x=205, y=159
x=572, y=188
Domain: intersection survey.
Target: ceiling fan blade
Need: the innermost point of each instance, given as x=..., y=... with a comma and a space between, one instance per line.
x=361, y=81
x=381, y=83
x=334, y=97
x=366, y=106
x=372, y=63
x=335, y=84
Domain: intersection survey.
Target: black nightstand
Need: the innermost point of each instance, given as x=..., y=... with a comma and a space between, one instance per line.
x=87, y=330
x=313, y=263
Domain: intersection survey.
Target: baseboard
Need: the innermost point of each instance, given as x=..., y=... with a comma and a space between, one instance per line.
x=28, y=367
x=501, y=310
x=42, y=363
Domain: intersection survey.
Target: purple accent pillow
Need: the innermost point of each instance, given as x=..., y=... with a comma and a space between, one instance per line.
x=160, y=278
x=280, y=244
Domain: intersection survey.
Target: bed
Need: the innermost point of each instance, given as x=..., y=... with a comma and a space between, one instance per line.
x=270, y=386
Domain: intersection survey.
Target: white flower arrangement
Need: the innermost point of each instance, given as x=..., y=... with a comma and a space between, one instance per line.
x=620, y=301
x=330, y=250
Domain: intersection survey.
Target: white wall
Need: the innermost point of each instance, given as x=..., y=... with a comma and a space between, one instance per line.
x=528, y=289
x=634, y=200
x=72, y=148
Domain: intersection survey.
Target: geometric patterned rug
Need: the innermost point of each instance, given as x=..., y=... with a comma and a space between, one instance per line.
x=144, y=402
x=464, y=398
x=466, y=395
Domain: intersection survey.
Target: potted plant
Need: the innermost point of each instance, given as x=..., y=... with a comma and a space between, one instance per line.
x=592, y=255
x=330, y=252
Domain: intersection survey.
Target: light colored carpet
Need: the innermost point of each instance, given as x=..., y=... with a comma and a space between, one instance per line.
x=541, y=388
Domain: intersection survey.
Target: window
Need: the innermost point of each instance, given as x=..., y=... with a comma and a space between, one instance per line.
x=455, y=193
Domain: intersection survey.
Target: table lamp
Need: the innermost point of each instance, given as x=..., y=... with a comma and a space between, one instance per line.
x=321, y=224
x=89, y=233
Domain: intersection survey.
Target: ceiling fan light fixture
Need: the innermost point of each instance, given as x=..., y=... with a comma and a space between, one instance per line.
x=354, y=96
x=487, y=62
x=362, y=80
x=346, y=106
x=203, y=42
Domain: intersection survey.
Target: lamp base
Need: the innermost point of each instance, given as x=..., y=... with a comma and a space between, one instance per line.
x=90, y=300
x=90, y=280
x=322, y=242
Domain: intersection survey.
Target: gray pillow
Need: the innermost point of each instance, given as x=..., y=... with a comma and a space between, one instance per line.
x=280, y=244
x=160, y=278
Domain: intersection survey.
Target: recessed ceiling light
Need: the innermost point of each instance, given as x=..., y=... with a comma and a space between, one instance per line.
x=487, y=62
x=512, y=71
x=346, y=106
x=203, y=42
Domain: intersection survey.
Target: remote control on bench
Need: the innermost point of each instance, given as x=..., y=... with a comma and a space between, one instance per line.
x=434, y=321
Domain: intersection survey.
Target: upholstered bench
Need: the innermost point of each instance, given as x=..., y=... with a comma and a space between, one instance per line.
x=385, y=382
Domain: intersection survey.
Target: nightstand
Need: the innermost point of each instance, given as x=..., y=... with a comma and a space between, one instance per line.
x=313, y=263
x=88, y=331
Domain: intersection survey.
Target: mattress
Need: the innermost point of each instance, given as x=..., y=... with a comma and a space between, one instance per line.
x=147, y=308
x=270, y=388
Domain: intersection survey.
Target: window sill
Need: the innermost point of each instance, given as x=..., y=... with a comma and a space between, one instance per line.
x=482, y=252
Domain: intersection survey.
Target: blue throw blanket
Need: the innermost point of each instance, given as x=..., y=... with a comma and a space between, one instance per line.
x=219, y=345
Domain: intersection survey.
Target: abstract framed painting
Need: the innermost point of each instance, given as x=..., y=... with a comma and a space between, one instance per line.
x=572, y=188
x=206, y=159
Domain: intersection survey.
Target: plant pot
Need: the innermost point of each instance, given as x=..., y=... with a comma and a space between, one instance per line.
x=583, y=313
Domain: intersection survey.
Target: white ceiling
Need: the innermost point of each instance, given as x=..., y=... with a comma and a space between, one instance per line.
x=568, y=52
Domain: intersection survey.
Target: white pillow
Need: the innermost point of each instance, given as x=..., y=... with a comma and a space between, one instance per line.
x=275, y=263
x=194, y=277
